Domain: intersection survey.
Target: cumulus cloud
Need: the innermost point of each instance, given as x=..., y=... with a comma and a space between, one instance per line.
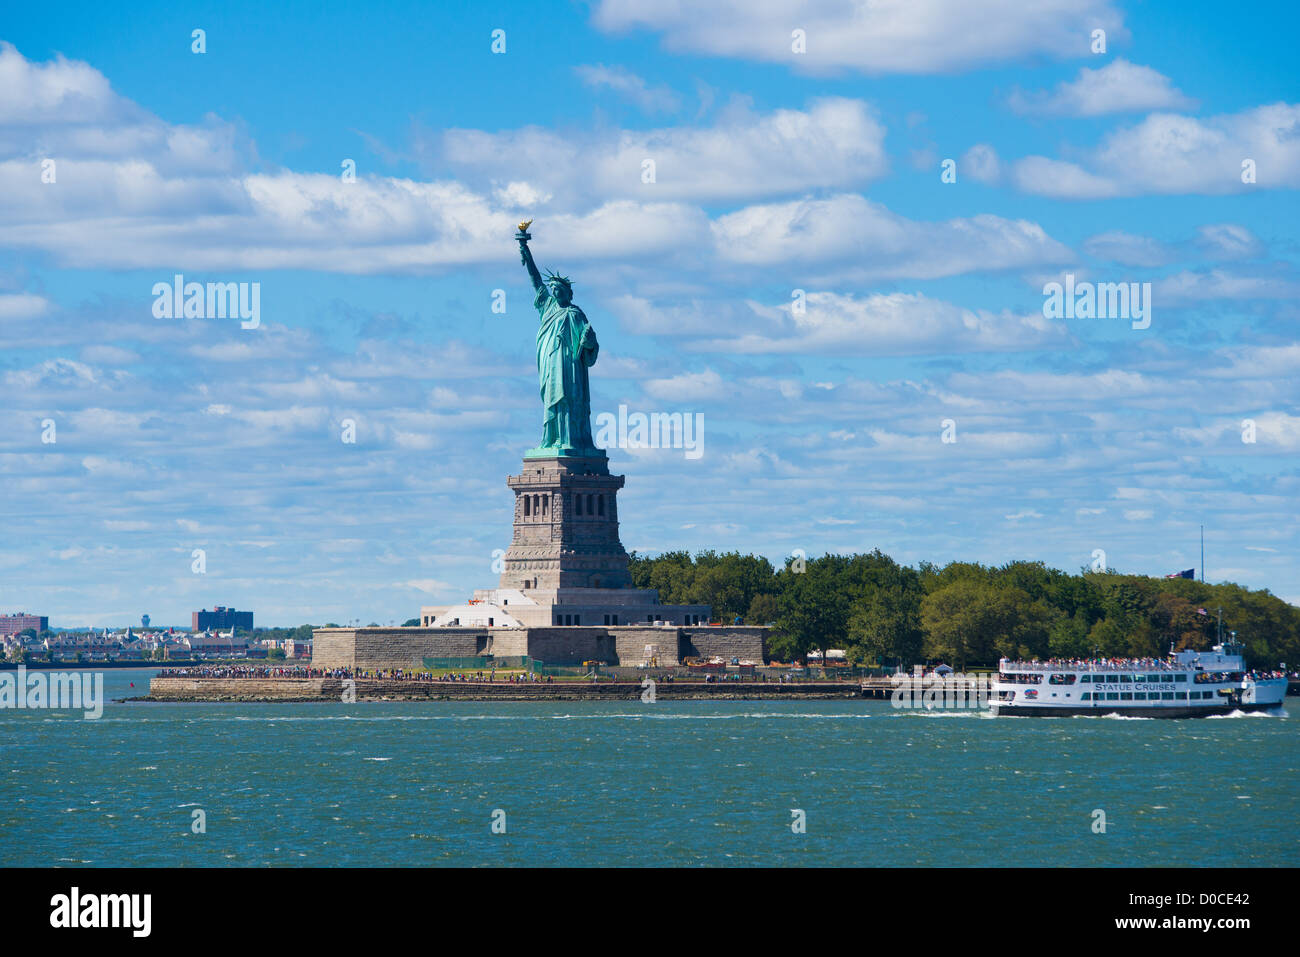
x=1117, y=87
x=1274, y=431
x=886, y=36
x=134, y=192
x=829, y=323
x=1200, y=285
x=23, y=305
x=857, y=237
x=1169, y=153
x=834, y=142
x=1215, y=241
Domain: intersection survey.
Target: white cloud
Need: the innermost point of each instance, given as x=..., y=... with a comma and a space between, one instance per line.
x=22, y=305
x=981, y=164
x=1274, y=431
x=838, y=324
x=688, y=387
x=1168, y=153
x=1229, y=241
x=833, y=143
x=1117, y=87
x=1198, y=286
x=656, y=99
x=885, y=36
x=1217, y=241
x=1128, y=249
x=858, y=237
x=430, y=586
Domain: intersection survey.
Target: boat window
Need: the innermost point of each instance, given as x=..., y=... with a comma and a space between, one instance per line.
x=1182, y=695
x=1126, y=679
x=1166, y=696
x=1180, y=677
x=1112, y=696
x=1062, y=679
x=1126, y=696
x=1139, y=696
x=1086, y=696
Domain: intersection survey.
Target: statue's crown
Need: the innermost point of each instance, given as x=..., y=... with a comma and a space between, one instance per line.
x=556, y=277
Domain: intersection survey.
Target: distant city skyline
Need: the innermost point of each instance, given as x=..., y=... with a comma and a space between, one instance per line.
x=868, y=347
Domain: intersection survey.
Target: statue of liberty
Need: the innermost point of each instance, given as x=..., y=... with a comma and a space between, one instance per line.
x=566, y=348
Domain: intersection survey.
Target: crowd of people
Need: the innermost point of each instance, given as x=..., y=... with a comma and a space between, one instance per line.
x=1097, y=664
x=360, y=674
x=256, y=671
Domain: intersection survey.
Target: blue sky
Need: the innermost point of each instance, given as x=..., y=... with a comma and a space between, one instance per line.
x=775, y=171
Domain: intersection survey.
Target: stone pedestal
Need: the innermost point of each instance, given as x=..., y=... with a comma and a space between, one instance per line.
x=565, y=526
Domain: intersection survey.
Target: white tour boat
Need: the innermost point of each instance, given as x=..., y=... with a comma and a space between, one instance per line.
x=1189, y=684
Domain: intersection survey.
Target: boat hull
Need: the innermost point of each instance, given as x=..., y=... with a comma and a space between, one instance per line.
x=1176, y=711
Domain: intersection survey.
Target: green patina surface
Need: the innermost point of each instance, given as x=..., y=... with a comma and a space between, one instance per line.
x=566, y=349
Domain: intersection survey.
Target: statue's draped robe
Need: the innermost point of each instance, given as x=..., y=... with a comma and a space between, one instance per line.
x=566, y=348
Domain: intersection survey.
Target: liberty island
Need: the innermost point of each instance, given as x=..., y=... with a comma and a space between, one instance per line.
x=565, y=595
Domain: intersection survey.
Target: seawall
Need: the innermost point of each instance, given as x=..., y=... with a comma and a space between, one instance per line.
x=164, y=688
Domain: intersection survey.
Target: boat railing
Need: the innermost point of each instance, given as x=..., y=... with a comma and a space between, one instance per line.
x=1006, y=664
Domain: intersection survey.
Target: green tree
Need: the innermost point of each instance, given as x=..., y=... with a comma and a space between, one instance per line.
x=763, y=610
x=974, y=621
x=885, y=617
x=814, y=606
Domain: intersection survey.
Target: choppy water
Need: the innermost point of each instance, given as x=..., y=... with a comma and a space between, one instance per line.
x=669, y=783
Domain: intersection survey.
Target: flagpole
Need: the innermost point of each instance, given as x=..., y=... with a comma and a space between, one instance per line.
x=1202, y=553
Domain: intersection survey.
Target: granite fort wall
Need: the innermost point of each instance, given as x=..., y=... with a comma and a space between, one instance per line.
x=571, y=645
x=625, y=645
x=630, y=645
x=731, y=641
x=394, y=647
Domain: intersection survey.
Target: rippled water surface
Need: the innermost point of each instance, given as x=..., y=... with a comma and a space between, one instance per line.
x=669, y=783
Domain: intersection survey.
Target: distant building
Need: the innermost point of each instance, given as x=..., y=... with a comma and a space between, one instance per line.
x=144, y=621
x=297, y=649
x=220, y=618
x=209, y=645
x=12, y=624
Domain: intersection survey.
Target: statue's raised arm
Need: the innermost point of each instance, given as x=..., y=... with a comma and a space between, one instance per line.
x=527, y=256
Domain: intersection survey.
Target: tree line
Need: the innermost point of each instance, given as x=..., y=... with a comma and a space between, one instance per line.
x=968, y=614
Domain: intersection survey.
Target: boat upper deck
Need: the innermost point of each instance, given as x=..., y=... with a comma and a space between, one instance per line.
x=1130, y=665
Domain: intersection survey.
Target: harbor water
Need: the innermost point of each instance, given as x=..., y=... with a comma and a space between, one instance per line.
x=630, y=784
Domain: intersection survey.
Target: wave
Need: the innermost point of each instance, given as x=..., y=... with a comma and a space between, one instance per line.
x=1278, y=712
x=1121, y=717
